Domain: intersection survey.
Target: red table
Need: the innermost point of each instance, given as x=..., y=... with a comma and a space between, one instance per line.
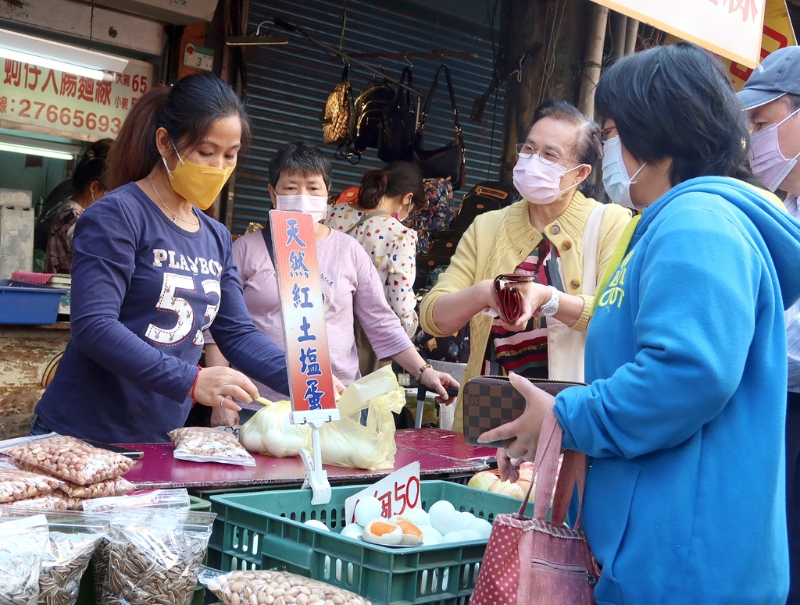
x=440, y=453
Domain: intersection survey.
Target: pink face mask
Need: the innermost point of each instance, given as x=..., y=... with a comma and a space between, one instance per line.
x=766, y=158
x=537, y=181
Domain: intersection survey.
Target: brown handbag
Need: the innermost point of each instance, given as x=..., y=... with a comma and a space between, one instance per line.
x=535, y=561
x=336, y=115
x=490, y=401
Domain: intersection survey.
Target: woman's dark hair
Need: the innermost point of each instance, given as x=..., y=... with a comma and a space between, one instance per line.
x=584, y=149
x=398, y=178
x=307, y=160
x=187, y=110
x=91, y=167
x=676, y=102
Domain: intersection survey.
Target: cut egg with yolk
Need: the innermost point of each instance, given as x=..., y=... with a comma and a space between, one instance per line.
x=380, y=531
x=412, y=535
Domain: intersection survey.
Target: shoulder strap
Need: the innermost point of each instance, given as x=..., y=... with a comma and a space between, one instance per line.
x=429, y=99
x=591, y=249
x=266, y=233
x=364, y=219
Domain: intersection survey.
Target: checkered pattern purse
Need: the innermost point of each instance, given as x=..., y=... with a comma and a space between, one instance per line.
x=490, y=401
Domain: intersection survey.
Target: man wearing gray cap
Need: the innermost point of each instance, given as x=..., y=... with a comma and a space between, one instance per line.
x=772, y=100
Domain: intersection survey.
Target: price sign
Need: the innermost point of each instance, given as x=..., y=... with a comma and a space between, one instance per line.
x=39, y=99
x=198, y=57
x=300, y=289
x=398, y=493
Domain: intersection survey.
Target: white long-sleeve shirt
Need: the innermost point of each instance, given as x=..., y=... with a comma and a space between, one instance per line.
x=793, y=319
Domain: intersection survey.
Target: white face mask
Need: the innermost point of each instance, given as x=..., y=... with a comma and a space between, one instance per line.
x=767, y=159
x=314, y=205
x=616, y=181
x=539, y=182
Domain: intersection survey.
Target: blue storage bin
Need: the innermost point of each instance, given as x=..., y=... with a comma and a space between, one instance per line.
x=31, y=304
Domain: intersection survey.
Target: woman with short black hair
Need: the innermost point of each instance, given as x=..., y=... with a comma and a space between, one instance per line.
x=686, y=350
x=151, y=272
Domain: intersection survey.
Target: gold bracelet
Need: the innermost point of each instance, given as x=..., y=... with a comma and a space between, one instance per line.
x=427, y=366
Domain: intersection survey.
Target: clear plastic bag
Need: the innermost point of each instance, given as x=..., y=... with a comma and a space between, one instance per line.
x=54, y=501
x=70, y=459
x=245, y=587
x=103, y=489
x=22, y=544
x=154, y=559
x=16, y=485
x=199, y=444
x=343, y=443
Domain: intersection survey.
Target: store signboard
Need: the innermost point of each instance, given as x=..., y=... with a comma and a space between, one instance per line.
x=730, y=28
x=47, y=101
x=305, y=335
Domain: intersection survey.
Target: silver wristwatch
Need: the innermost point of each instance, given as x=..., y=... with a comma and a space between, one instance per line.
x=550, y=308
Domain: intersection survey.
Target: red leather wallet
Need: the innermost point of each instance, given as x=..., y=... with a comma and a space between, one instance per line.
x=508, y=297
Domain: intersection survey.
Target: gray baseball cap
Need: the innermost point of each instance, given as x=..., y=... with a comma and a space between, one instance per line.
x=777, y=75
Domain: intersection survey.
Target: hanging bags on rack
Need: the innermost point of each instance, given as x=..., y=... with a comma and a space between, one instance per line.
x=399, y=123
x=451, y=159
x=336, y=115
x=368, y=108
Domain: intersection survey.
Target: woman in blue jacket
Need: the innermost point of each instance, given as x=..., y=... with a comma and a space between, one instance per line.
x=686, y=352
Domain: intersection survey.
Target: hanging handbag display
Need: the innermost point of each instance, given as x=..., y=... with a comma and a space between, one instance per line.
x=450, y=160
x=399, y=123
x=365, y=124
x=535, y=561
x=336, y=115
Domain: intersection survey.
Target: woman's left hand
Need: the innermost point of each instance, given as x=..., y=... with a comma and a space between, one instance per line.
x=338, y=386
x=525, y=429
x=533, y=297
x=439, y=381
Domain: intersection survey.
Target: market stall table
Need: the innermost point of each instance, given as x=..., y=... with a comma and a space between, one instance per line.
x=159, y=468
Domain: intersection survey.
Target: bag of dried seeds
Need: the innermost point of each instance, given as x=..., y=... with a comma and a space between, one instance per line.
x=70, y=459
x=103, y=489
x=154, y=559
x=22, y=544
x=199, y=444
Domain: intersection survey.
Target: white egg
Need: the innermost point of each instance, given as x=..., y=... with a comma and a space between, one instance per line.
x=470, y=534
x=466, y=519
x=444, y=517
x=375, y=534
x=482, y=526
x=417, y=516
x=430, y=536
x=353, y=531
x=452, y=537
x=317, y=524
x=367, y=510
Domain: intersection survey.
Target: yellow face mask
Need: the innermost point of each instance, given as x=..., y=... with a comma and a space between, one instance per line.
x=199, y=185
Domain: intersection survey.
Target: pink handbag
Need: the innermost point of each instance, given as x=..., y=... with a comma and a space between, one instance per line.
x=535, y=561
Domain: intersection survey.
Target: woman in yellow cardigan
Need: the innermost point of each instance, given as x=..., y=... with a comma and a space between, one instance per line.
x=557, y=235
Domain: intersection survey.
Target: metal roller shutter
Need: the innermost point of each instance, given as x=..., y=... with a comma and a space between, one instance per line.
x=287, y=86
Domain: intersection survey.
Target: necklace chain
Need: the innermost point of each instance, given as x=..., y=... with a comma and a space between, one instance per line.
x=175, y=217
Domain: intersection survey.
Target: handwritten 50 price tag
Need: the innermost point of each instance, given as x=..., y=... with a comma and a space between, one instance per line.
x=398, y=493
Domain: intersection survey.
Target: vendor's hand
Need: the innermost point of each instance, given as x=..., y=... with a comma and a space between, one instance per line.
x=509, y=469
x=439, y=381
x=224, y=417
x=524, y=430
x=217, y=386
x=338, y=385
x=533, y=297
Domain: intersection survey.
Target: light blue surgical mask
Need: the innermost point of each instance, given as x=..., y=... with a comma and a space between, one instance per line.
x=616, y=181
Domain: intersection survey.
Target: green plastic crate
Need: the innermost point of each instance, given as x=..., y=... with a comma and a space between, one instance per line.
x=264, y=530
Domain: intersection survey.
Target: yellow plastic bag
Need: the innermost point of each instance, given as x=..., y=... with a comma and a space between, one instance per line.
x=345, y=442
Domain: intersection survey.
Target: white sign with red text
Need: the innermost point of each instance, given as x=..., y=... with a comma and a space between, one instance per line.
x=731, y=28
x=44, y=100
x=398, y=493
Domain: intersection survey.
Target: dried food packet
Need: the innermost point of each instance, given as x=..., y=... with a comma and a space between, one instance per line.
x=198, y=444
x=16, y=485
x=22, y=544
x=154, y=559
x=70, y=459
x=49, y=502
x=244, y=587
x=103, y=489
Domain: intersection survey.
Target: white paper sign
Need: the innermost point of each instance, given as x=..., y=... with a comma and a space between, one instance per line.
x=398, y=493
x=731, y=28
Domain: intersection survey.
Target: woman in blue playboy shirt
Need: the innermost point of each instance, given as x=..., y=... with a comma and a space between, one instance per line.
x=686, y=352
x=151, y=272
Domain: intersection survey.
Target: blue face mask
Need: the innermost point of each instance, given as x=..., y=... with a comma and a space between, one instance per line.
x=616, y=181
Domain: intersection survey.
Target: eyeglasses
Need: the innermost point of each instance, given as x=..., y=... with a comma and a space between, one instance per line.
x=599, y=137
x=524, y=150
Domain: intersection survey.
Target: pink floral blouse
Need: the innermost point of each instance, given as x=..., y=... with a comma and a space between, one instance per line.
x=392, y=248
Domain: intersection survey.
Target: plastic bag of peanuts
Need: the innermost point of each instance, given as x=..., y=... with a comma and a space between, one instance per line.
x=21, y=485
x=274, y=588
